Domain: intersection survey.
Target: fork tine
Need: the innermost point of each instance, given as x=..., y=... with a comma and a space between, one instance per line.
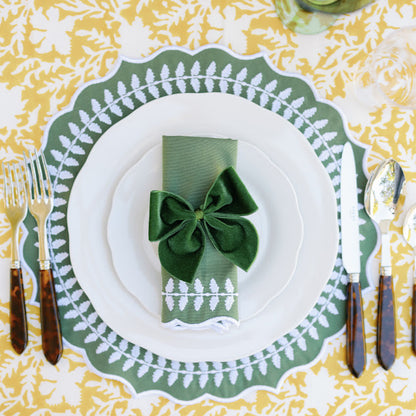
x=26, y=178
x=41, y=177
x=16, y=186
x=6, y=185
x=47, y=177
x=20, y=184
x=30, y=162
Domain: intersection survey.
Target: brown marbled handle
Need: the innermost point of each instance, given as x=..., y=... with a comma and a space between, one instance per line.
x=49, y=318
x=386, y=331
x=355, y=330
x=414, y=319
x=18, y=321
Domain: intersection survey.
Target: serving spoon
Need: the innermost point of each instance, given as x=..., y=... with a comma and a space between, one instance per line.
x=409, y=233
x=381, y=199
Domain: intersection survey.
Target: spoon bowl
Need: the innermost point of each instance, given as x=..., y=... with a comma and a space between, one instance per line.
x=384, y=194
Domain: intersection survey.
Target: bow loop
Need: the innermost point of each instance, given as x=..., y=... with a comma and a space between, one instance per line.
x=182, y=230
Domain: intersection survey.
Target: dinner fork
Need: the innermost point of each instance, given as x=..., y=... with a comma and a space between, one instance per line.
x=40, y=201
x=15, y=204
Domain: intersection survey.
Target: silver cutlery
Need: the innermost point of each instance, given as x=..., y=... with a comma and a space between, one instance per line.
x=356, y=351
x=409, y=233
x=383, y=194
x=15, y=204
x=40, y=200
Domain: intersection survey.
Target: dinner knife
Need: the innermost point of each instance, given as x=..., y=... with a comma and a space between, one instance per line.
x=356, y=354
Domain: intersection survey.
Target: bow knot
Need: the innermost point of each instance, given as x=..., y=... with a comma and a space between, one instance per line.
x=183, y=230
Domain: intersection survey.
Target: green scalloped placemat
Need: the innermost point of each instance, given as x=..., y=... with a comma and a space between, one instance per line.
x=70, y=137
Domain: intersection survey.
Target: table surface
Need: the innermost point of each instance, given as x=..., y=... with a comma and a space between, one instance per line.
x=49, y=49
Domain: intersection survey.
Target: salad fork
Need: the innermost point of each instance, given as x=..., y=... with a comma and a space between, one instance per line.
x=40, y=201
x=15, y=204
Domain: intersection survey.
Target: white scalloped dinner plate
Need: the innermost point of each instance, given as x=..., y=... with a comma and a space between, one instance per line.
x=211, y=114
x=279, y=227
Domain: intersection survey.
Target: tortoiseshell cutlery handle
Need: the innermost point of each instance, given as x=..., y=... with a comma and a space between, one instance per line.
x=49, y=317
x=356, y=358
x=414, y=319
x=18, y=320
x=386, y=331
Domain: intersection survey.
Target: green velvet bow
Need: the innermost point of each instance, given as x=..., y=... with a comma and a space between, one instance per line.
x=182, y=230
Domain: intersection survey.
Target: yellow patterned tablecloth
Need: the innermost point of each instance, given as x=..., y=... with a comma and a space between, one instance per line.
x=49, y=49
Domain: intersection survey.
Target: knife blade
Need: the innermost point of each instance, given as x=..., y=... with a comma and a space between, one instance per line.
x=356, y=351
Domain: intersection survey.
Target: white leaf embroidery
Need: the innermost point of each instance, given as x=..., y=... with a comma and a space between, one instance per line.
x=198, y=301
x=241, y=76
x=164, y=73
x=211, y=69
x=196, y=68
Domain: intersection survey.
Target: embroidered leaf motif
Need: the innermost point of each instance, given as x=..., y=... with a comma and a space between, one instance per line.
x=209, y=84
x=102, y=327
x=251, y=93
x=212, y=67
x=313, y=332
x=297, y=103
x=195, y=84
x=242, y=75
x=157, y=375
x=85, y=138
x=264, y=98
x=285, y=94
x=123, y=345
x=199, y=300
x=169, y=286
x=170, y=303
x=271, y=86
x=180, y=83
x=223, y=86
x=103, y=347
x=237, y=88
x=64, y=302
x=183, y=301
x=257, y=79
x=71, y=314
x=180, y=70
x=323, y=321
x=276, y=106
x=226, y=72
x=143, y=369
x=213, y=302
x=164, y=73
x=80, y=326
x=213, y=286
x=74, y=128
x=199, y=288
x=167, y=87
x=248, y=372
x=276, y=360
x=196, y=68
x=301, y=343
x=135, y=82
x=115, y=356
x=287, y=114
x=128, y=364
x=229, y=287
x=172, y=378
x=65, y=141
x=233, y=375
x=229, y=300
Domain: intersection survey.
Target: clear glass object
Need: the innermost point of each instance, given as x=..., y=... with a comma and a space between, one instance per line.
x=388, y=75
x=299, y=20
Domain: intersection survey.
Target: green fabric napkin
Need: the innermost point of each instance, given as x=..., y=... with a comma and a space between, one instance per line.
x=203, y=236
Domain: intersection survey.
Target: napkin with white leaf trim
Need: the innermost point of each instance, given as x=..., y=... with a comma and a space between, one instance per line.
x=202, y=236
